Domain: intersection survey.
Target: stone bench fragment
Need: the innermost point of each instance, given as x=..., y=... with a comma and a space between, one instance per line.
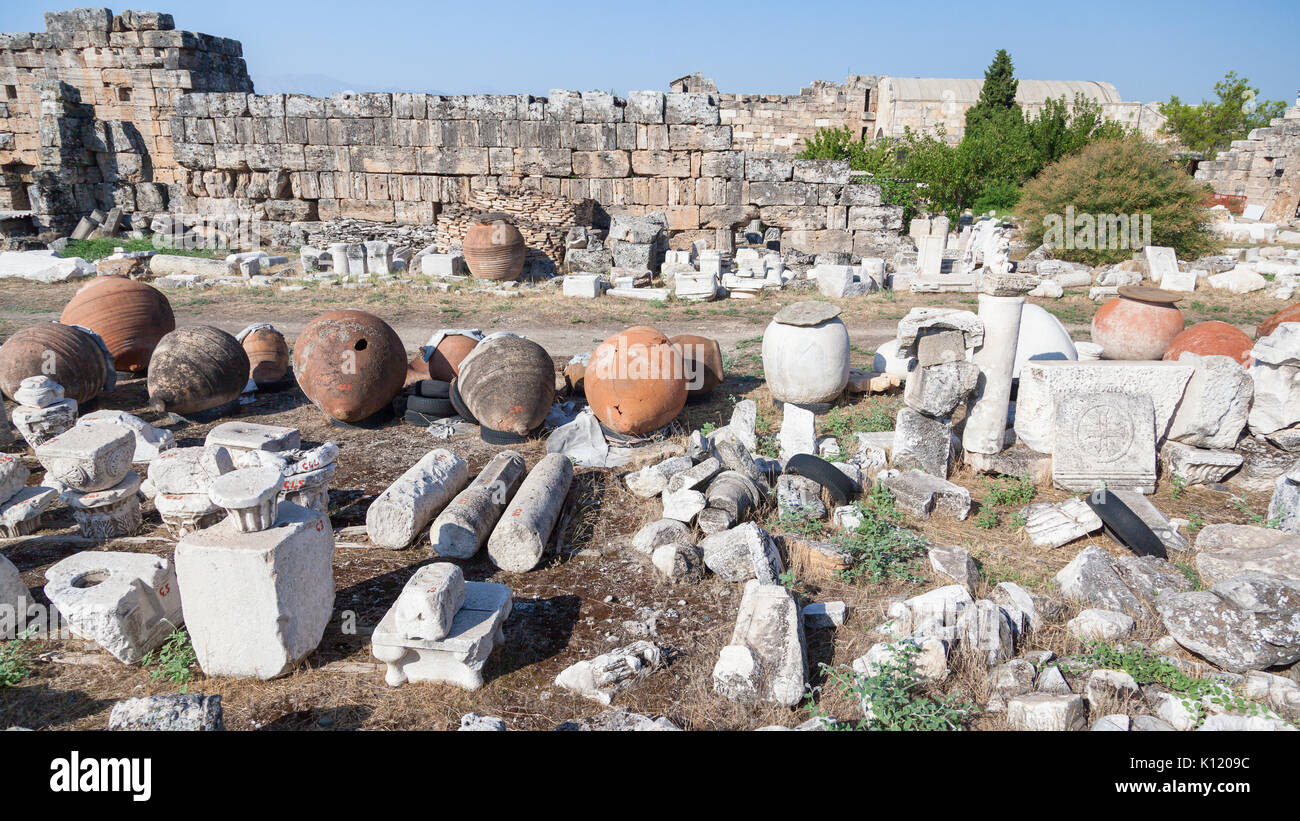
x=257, y=604
x=128, y=603
x=458, y=657
x=396, y=517
x=429, y=601
x=519, y=539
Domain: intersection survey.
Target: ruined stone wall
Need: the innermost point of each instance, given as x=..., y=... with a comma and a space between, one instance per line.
x=408, y=158
x=1264, y=168
x=126, y=71
x=785, y=122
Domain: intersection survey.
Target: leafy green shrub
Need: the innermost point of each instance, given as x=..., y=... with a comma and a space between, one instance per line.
x=881, y=548
x=895, y=697
x=1130, y=180
x=1212, y=126
x=174, y=660
x=15, y=659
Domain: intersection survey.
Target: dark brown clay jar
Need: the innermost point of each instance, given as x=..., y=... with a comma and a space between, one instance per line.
x=1290, y=313
x=508, y=384
x=1212, y=338
x=65, y=354
x=494, y=248
x=130, y=316
x=1139, y=324
x=196, y=369
x=268, y=356
x=350, y=364
x=635, y=382
x=702, y=359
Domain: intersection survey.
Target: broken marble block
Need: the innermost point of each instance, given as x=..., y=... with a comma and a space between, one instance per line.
x=238, y=437
x=193, y=712
x=766, y=660
x=1104, y=440
x=823, y=615
x=798, y=431
x=678, y=562
x=1216, y=402
x=1224, y=551
x=955, y=563
x=107, y=514
x=250, y=496
x=38, y=425
x=458, y=657
x=1198, y=466
x=937, y=390
x=87, y=459
x=652, y=480
x=21, y=514
x=1054, y=524
x=1276, y=374
x=799, y=497
x=149, y=441
x=128, y=603
x=923, y=443
x=1041, y=711
x=14, y=595
x=660, y=532
x=1248, y=622
x=920, y=494
x=609, y=674
x=257, y=603
x=743, y=553
x=929, y=662
x=398, y=515
x=38, y=392
x=1284, y=508
x=429, y=601
x=13, y=476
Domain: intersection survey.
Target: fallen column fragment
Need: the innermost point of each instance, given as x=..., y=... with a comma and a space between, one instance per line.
x=398, y=514
x=518, y=542
x=467, y=521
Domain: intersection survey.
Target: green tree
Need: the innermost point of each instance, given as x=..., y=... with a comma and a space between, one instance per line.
x=1129, y=178
x=1212, y=126
x=997, y=95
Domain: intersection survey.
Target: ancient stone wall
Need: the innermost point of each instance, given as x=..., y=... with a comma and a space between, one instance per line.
x=126, y=71
x=407, y=158
x=785, y=122
x=1264, y=168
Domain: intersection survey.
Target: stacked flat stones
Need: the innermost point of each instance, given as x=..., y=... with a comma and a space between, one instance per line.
x=180, y=482
x=42, y=411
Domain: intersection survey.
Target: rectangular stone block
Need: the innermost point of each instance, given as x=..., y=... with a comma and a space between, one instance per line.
x=1104, y=439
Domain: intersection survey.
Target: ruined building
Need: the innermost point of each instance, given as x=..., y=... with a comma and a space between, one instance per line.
x=1264, y=168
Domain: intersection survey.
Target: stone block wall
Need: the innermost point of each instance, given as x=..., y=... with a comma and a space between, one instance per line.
x=413, y=158
x=127, y=70
x=785, y=122
x=1263, y=168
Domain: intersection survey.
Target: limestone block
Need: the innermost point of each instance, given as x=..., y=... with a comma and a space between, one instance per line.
x=256, y=604
x=244, y=436
x=1248, y=622
x=1104, y=440
x=1094, y=624
x=607, y=675
x=149, y=440
x=1216, y=403
x=1043, y=712
x=38, y=425
x=955, y=563
x=742, y=553
x=128, y=603
x=174, y=713
x=429, y=602
x=798, y=431
x=582, y=286
x=775, y=669
x=189, y=470
x=407, y=506
x=13, y=476
x=88, y=458
x=920, y=493
x=937, y=390
x=922, y=442
x=457, y=658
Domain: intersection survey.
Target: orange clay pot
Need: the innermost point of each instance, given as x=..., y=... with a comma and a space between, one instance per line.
x=494, y=248
x=65, y=354
x=268, y=356
x=350, y=364
x=702, y=358
x=1138, y=324
x=635, y=382
x=130, y=316
x=1290, y=313
x=1212, y=339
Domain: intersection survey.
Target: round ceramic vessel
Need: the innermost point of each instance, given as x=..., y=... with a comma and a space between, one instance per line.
x=1139, y=324
x=806, y=364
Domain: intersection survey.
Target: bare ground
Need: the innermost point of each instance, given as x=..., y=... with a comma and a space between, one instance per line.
x=591, y=595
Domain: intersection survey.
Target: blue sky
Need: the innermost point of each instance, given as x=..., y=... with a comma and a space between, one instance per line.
x=1148, y=50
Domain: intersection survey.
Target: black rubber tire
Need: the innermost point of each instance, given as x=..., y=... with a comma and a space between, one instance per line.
x=1124, y=526
x=839, y=486
x=499, y=437
x=429, y=405
x=453, y=393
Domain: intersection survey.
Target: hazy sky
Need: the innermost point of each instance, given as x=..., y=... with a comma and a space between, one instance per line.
x=1148, y=50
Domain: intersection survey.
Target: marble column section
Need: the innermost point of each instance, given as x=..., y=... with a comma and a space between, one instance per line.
x=986, y=421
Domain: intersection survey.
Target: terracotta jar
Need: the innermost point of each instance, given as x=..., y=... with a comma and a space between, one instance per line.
x=1290, y=313
x=507, y=384
x=130, y=316
x=65, y=354
x=1139, y=324
x=806, y=354
x=268, y=356
x=1212, y=339
x=196, y=369
x=636, y=381
x=350, y=364
x=494, y=248
x=702, y=359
